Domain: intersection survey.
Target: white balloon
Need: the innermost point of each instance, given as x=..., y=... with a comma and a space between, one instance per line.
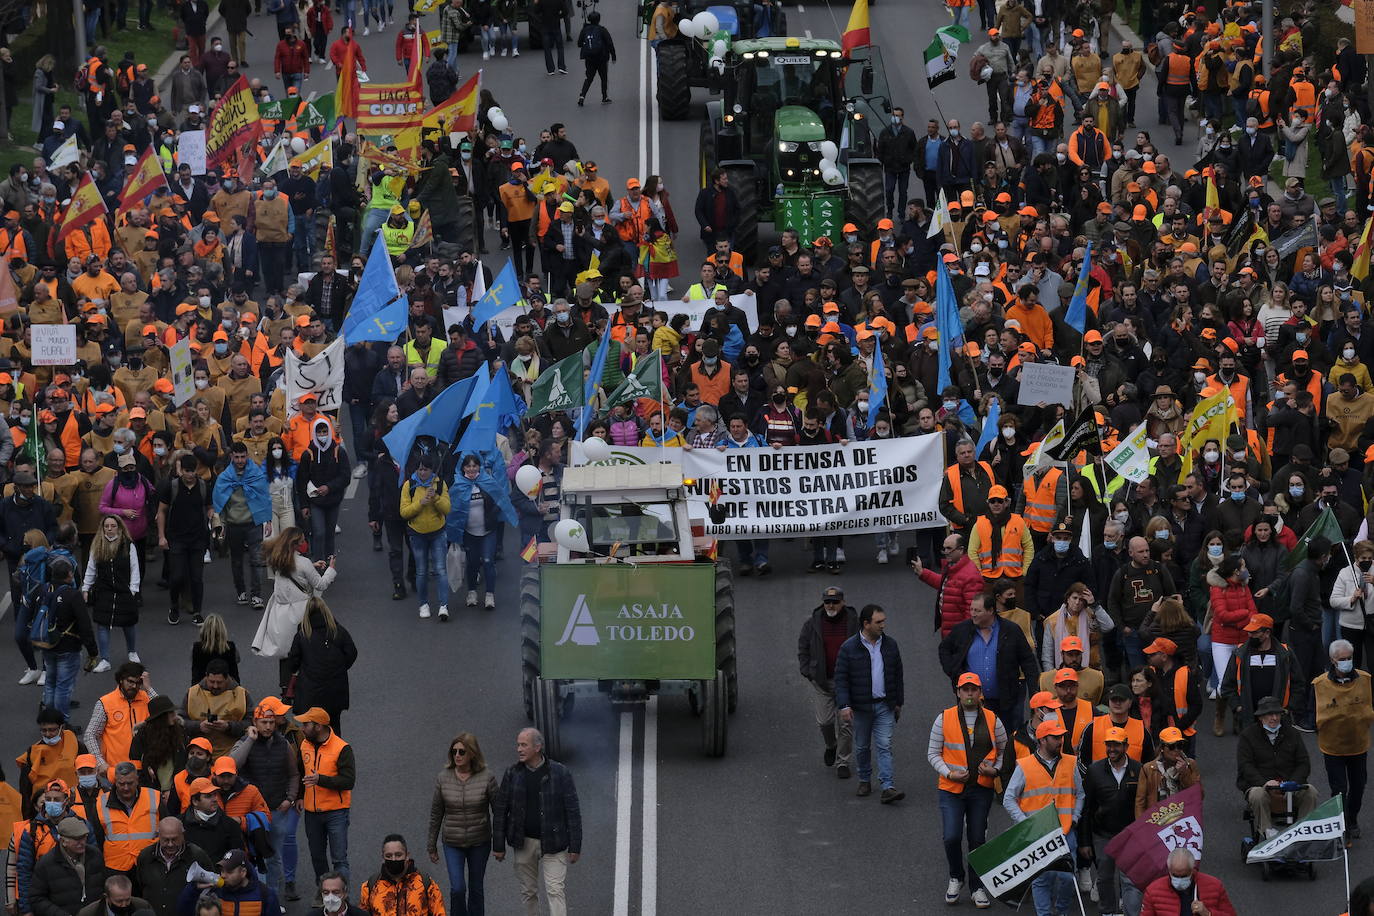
x=833, y=177
x=569, y=533
x=688, y=28
x=498, y=121
x=826, y=164
x=297, y=145
x=829, y=150
x=707, y=22
x=527, y=479
x=719, y=48
x=596, y=449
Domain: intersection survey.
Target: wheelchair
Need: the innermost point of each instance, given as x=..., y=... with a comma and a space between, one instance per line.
x=1283, y=816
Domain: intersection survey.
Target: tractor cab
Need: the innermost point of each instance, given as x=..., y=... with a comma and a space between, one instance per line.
x=783, y=90
x=636, y=513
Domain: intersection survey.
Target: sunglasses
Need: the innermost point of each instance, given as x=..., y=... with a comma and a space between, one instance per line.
x=1177, y=746
x=831, y=601
x=460, y=751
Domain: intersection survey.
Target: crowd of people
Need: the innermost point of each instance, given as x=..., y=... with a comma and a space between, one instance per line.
x=1237, y=572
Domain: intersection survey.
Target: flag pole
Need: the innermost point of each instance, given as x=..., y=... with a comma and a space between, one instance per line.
x=1345, y=858
x=1083, y=910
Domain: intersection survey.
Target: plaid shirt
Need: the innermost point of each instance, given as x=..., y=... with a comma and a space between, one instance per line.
x=706, y=439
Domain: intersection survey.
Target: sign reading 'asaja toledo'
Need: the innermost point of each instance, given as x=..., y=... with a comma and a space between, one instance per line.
x=628, y=622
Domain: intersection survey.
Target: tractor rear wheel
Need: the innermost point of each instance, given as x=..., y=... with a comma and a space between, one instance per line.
x=715, y=716
x=547, y=714
x=866, y=204
x=674, y=91
x=747, y=192
x=708, y=151
x=529, y=636
x=725, y=632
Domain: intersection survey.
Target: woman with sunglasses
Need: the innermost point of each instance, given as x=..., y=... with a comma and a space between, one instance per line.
x=1171, y=771
x=460, y=818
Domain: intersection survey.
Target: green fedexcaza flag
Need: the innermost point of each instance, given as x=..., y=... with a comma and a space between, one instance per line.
x=1316, y=837
x=646, y=381
x=942, y=53
x=1326, y=526
x=558, y=387
x=1020, y=853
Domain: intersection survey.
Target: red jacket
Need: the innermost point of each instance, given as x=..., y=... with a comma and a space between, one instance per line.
x=1162, y=900
x=405, y=47
x=340, y=47
x=291, y=58
x=1232, y=606
x=319, y=19
x=961, y=582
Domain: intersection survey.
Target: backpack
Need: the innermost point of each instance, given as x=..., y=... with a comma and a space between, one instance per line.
x=593, y=45
x=41, y=632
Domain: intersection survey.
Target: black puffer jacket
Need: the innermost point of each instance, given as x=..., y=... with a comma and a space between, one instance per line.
x=57, y=889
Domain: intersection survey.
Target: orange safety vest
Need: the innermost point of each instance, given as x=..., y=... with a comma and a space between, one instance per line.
x=1043, y=790
x=1135, y=737
x=323, y=759
x=1181, y=696
x=1080, y=721
x=121, y=718
x=126, y=835
x=1240, y=391
x=49, y=762
x=1304, y=99
x=12, y=245
x=955, y=753
x=1179, y=69
x=1010, y=554
x=1261, y=99
x=956, y=487
x=11, y=815
x=1044, y=115
x=181, y=785
x=1040, y=504
x=632, y=229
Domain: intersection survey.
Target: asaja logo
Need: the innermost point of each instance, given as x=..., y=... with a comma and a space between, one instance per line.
x=581, y=629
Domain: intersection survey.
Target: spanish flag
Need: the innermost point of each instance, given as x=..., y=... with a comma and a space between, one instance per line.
x=85, y=207
x=458, y=111
x=856, y=32
x=531, y=551
x=1360, y=269
x=146, y=178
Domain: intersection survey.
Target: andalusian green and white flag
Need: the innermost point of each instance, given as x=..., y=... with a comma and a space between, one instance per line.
x=558, y=387
x=1020, y=853
x=646, y=381
x=943, y=52
x=1131, y=459
x=1317, y=837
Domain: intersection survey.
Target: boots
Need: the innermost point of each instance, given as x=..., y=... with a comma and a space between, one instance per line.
x=1219, y=720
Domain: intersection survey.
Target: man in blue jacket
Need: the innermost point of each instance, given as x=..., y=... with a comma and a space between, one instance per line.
x=242, y=500
x=868, y=691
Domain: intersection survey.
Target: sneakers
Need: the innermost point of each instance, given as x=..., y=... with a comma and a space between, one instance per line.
x=828, y=758
x=816, y=566
x=953, y=890
x=196, y=618
x=133, y=657
x=892, y=794
x=562, y=69
x=367, y=30
x=443, y=613
x=31, y=675
x=208, y=557
x=42, y=678
x=257, y=603
x=839, y=554
x=882, y=557
x=982, y=899
x=174, y=617
x=765, y=569
x=489, y=602
x=424, y=611
x=581, y=101
x=242, y=599
x=503, y=52
x=1085, y=880
x=102, y=667
x=472, y=598
x=605, y=101
x=398, y=591
x=514, y=52
x=842, y=772
x=865, y=788
x=834, y=569
x=360, y=472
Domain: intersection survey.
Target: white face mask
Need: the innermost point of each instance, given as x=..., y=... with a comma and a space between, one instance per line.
x=1180, y=884
x=323, y=441
x=204, y=815
x=1348, y=353
x=276, y=453
x=332, y=902
x=1211, y=456
x=202, y=383
x=1008, y=432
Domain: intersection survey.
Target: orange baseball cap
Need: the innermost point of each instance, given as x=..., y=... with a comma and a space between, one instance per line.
x=1300, y=354
x=831, y=308
x=1049, y=728
x=150, y=330
x=989, y=216
x=221, y=334
x=202, y=743
x=1093, y=336
x=164, y=386
x=813, y=321
x=884, y=223
x=104, y=409
x=86, y=762
x=1170, y=735
x=1259, y=622
x=1045, y=700
x=968, y=677
x=1028, y=211
x=1065, y=674
x=1070, y=644
x=1161, y=644
x=1150, y=168
x=997, y=491
x=1116, y=735
x=185, y=308
x=138, y=413
x=302, y=321
x=203, y=786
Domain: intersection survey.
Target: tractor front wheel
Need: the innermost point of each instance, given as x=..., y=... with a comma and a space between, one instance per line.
x=747, y=192
x=529, y=636
x=866, y=204
x=715, y=715
x=674, y=92
x=547, y=714
x=725, y=633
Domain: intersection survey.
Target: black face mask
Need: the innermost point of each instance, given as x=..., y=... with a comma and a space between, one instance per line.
x=1365, y=564
x=394, y=867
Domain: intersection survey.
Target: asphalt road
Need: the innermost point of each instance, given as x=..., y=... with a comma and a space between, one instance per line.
x=764, y=830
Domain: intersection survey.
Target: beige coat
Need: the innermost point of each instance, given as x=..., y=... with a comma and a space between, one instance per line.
x=461, y=810
x=285, y=609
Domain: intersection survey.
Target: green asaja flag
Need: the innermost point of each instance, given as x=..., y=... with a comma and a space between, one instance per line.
x=1020, y=853
x=558, y=387
x=33, y=447
x=317, y=113
x=1326, y=526
x=1319, y=836
x=646, y=381
x=279, y=109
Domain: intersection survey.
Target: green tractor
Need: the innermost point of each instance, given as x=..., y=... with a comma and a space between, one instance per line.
x=796, y=131
x=690, y=60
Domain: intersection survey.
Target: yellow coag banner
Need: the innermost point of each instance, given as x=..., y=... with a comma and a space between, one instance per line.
x=388, y=108
x=233, y=123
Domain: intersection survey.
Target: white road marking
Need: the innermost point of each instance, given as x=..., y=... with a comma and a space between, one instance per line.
x=648, y=882
x=808, y=33
x=5, y=605
x=642, y=108
x=352, y=490
x=624, y=807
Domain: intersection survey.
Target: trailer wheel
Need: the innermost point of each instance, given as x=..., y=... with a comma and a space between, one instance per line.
x=674, y=91
x=866, y=204
x=747, y=192
x=529, y=636
x=725, y=632
x=547, y=715
x=715, y=716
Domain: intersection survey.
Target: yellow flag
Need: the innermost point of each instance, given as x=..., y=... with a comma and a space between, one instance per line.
x=1360, y=269
x=316, y=157
x=1213, y=199
x=1211, y=418
x=86, y=206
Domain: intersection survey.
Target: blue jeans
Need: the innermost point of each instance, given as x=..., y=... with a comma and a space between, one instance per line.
x=62, y=669
x=303, y=243
x=466, y=896
x=1338, y=192
x=373, y=220
x=327, y=828
x=753, y=552
x=481, y=548
x=21, y=635
x=102, y=640
x=1054, y=891
x=281, y=865
x=960, y=813
x=1204, y=658
x=1134, y=649
x=428, y=550
x=358, y=419
x=1331, y=617
x=873, y=727
x=323, y=521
